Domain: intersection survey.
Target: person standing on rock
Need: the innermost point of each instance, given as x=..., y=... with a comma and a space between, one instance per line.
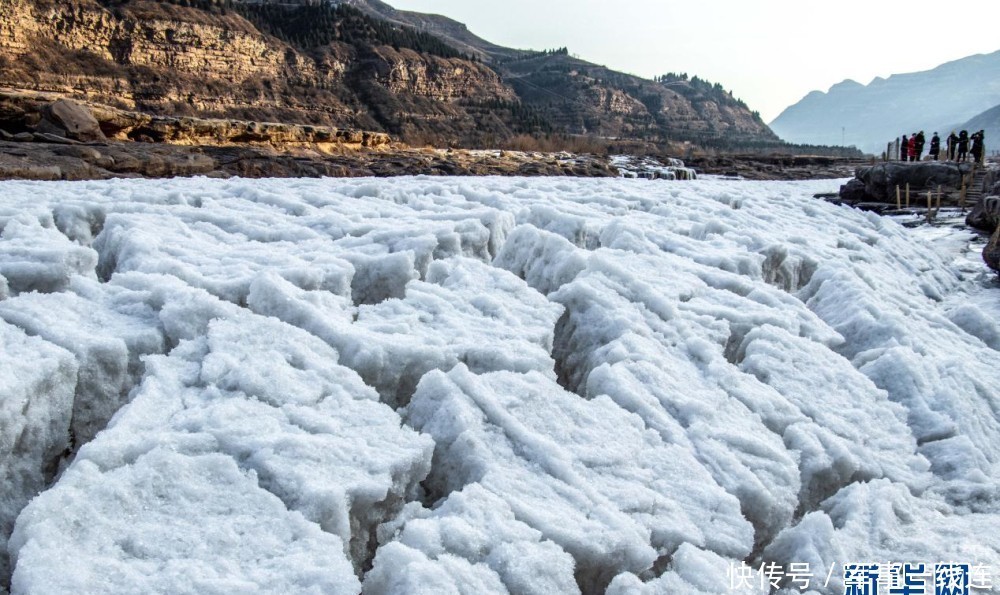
x=904, y=149
x=977, y=147
x=952, y=145
x=912, y=147
x=921, y=140
x=963, y=145
x=935, y=146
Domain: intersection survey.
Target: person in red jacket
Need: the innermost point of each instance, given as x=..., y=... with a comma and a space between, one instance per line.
x=912, y=147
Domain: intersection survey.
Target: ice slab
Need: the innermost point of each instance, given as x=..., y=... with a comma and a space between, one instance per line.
x=37, y=381
x=614, y=505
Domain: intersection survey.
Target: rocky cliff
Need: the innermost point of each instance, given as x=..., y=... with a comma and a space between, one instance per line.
x=423, y=78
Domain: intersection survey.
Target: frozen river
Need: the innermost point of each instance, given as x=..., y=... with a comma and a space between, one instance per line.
x=489, y=385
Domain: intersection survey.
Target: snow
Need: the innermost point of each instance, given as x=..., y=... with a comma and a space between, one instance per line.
x=484, y=385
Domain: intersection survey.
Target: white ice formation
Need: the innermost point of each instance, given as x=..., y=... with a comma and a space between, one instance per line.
x=483, y=386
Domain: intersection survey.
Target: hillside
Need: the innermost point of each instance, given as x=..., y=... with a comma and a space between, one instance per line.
x=988, y=121
x=869, y=116
x=360, y=64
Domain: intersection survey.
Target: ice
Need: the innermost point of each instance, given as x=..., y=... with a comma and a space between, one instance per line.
x=184, y=312
x=274, y=401
x=659, y=339
x=37, y=258
x=439, y=323
x=539, y=447
x=895, y=334
x=221, y=262
x=696, y=572
x=545, y=260
x=37, y=380
x=622, y=384
x=471, y=543
x=977, y=323
x=835, y=397
x=107, y=329
x=171, y=523
x=881, y=522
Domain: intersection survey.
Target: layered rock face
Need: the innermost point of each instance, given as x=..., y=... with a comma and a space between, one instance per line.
x=171, y=60
x=366, y=69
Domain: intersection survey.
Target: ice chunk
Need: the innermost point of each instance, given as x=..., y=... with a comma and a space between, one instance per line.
x=977, y=323
x=880, y=522
x=109, y=331
x=171, y=523
x=696, y=572
x=944, y=377
x=471, y=541
x=4, y=288
x=440, y=323
x=37, y=380
x=205, y=256
x=615, y=505
x=853, y=432
x=37, y=258
x=543, y=259
x=274, y=399
x=184, y=311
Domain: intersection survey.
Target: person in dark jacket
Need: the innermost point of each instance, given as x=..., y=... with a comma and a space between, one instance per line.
x=963, y=145
x=952, y=145
x=977, y=147
x=935, y=146
x=904, y=149
x=921, y=141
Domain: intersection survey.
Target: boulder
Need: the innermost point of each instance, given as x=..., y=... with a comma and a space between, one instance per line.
x=853, y=192
x=72, y=120
x=24, y=137
x=984, y=215
x=991, y=254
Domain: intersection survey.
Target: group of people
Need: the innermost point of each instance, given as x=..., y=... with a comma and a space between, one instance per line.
x=958, y=146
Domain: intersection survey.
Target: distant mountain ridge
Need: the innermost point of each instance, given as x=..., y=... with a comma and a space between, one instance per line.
x=355, y=63
x=989, y=122
x=869, y=116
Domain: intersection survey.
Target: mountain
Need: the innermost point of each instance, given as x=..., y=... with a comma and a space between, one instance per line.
x=870, y=116
x=989, y=121
x=356, y=63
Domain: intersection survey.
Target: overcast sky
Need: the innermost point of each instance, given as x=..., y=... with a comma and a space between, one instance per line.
x=769, y=53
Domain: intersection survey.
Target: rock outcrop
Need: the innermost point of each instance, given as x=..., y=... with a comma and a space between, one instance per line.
x=878, y=183
x=34, y=160
x=53, y=119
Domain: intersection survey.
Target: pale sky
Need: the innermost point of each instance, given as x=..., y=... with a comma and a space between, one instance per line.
x=769, y=53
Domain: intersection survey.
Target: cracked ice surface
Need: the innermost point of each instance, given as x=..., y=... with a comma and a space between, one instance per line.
x=482, y=385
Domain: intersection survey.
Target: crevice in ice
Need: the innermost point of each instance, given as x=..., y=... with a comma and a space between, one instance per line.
x=567, y=373
x=733, y=349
